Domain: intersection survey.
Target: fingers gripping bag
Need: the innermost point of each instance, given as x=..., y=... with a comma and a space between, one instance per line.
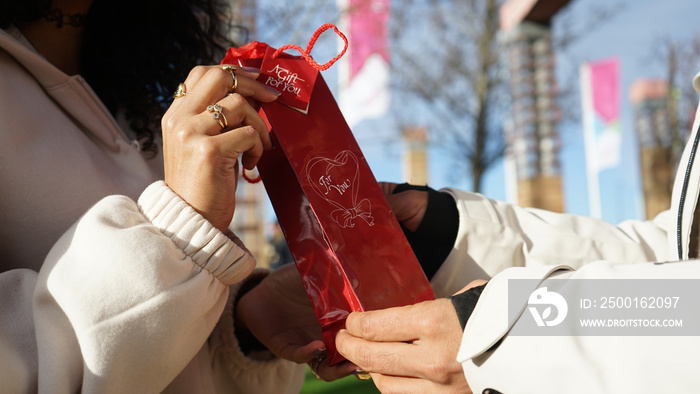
x=343, y=236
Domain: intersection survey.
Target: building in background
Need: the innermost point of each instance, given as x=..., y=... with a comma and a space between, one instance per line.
x=249, y=221
x=650, y=100
x=415, y=155
x=533, y=139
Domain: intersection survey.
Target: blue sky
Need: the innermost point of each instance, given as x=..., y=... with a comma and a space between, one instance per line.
x=629, y=35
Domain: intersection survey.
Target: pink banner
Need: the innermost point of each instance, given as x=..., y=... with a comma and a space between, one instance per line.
x=369, y=32
x=605, y=83
x=600, y=90
x=364, y=71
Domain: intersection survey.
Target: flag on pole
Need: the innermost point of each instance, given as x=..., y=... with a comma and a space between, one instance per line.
x=600, y=101
x=601, y=107
x=364, y=70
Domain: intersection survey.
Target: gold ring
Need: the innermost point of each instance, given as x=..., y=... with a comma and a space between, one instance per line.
x=232, y=70
x=216, y=112
x=362, y=375
x=181, y=91
x=314, y=364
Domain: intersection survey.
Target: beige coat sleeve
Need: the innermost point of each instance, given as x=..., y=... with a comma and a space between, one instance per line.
x=130, y=300
x=495, y=235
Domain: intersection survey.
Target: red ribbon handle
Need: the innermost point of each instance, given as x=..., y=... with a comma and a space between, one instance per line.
x=306, y=53
x=249, y=179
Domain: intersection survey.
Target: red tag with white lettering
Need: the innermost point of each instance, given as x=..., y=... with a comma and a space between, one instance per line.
x=291, y=75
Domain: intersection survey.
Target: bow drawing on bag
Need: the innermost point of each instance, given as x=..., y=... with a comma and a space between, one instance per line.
x=345, y=217
x=335, y=180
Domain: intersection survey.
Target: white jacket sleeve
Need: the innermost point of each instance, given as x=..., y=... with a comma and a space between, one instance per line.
x=495, y=235
x=128, y=299
x=495, y=358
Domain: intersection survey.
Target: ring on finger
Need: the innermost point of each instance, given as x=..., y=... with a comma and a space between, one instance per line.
x=181, y=91
x=216, y=112
x=232, y=70
x=313, y=364
x=362, y=375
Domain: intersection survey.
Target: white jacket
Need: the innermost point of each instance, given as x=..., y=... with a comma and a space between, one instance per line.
x=501, y=241
x=98, y=292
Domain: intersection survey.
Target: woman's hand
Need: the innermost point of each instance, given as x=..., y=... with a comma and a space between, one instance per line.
x=201, y=152
x=278, y=312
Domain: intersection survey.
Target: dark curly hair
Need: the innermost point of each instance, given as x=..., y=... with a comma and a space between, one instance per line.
x=135, y=52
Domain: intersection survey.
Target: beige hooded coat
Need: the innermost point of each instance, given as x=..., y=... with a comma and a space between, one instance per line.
x=107, y=284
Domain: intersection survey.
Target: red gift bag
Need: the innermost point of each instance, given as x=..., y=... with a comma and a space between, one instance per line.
x=343, y=236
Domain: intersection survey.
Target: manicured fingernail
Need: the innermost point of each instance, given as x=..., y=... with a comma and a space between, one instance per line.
x=272, y=90
x=251, y=69
x=319, y=352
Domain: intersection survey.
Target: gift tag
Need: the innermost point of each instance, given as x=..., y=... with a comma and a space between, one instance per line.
x=291, y=75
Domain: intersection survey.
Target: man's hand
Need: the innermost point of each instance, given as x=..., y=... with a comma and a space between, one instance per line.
x=410, y=349
x=409, y=206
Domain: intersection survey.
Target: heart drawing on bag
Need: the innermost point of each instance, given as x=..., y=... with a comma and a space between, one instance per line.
x=336, y=181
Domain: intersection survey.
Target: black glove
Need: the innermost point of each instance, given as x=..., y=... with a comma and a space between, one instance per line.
x=434, y=239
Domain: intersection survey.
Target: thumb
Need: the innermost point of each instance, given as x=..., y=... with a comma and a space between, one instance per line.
x=397, y=324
